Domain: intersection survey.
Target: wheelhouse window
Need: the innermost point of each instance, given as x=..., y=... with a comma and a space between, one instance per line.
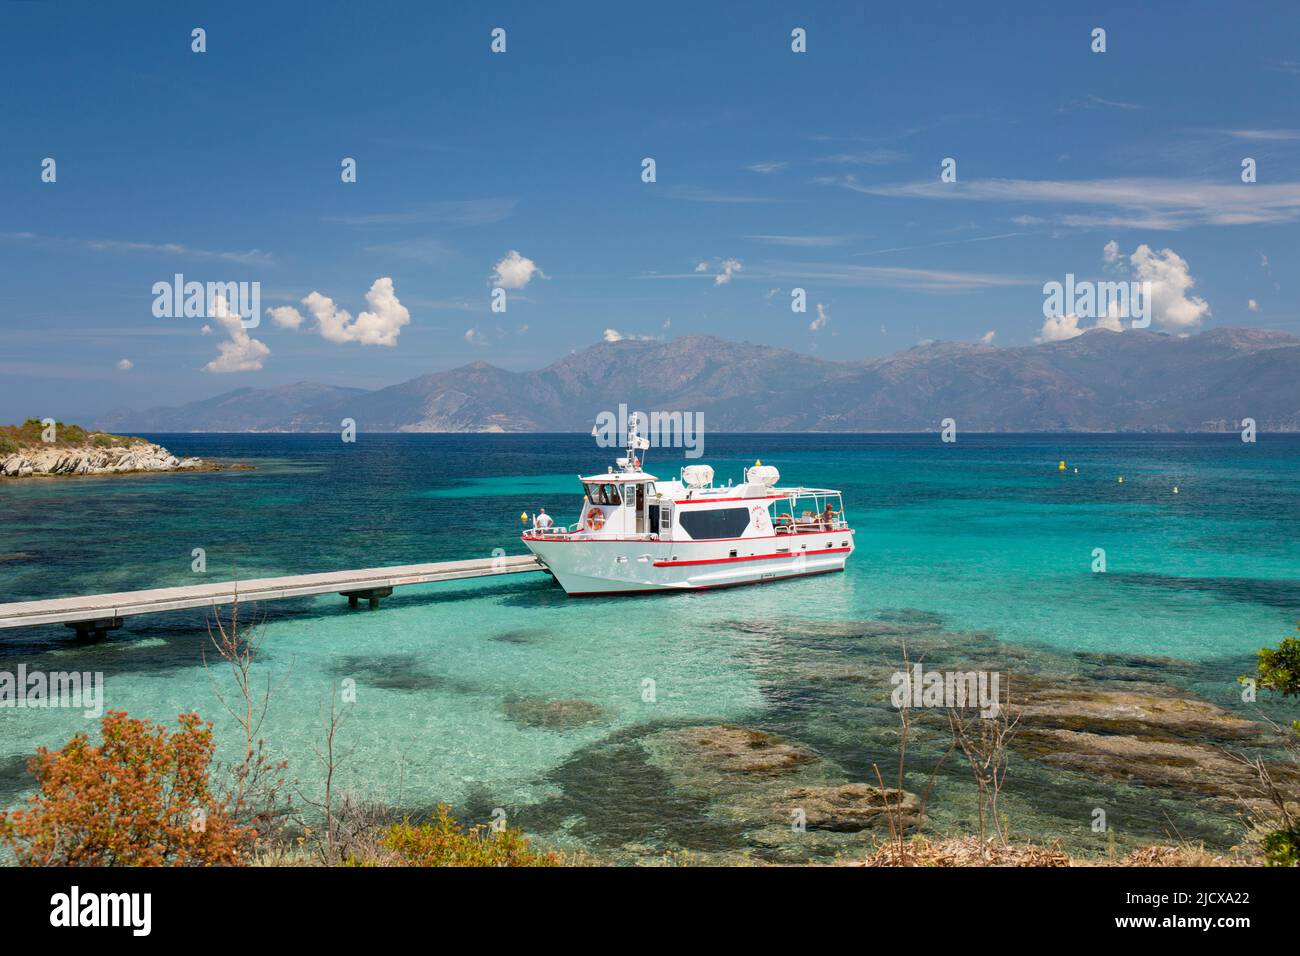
x=604, y=494
x=715, y=522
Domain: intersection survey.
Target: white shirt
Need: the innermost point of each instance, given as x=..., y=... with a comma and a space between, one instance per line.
x=543, y=521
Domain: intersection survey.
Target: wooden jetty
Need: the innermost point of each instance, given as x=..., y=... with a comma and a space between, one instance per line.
x=93, y=615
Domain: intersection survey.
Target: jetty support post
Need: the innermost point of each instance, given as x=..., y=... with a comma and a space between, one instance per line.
x=371, y=594
x=90, y=631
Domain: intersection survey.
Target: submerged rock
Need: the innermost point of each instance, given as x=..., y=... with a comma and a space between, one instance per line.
x=1147, y=714
x=734, y=749
x=553, y=714
x=1190, y=767
x=851, y=807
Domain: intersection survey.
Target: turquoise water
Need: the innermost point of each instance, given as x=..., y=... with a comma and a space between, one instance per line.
x=978, y=551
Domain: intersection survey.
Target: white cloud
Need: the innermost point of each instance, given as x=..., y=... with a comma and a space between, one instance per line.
x=474, y=337
x=515, y=271
x=770, y=167
x=819, y=323
x=206, y=330
x=241, y=352
x=286, y=316
x=124, y=364
x=987, y=337
x=381, y=326
x=701, y=267
x=1171, y=280
x=1058, y=328
x=729, y=268
x=613, y=335
x=1252, y=305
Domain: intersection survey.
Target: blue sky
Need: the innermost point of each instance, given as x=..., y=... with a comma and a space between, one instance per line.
x=774, y=170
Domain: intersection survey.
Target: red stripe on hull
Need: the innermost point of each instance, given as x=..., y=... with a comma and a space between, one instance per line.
x=703, y=587
x=752, y=557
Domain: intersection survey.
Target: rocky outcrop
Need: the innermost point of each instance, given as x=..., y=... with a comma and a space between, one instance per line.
x=850, y=807
x=732, y=749
x=1146, y=736
x=61, y=460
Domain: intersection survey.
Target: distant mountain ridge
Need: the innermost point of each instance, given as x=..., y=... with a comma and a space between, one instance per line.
x=1098, y=381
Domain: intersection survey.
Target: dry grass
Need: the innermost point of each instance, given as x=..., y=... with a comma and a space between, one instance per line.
x=972, y=851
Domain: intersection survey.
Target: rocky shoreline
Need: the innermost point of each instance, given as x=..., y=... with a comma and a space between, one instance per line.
x=132, y=457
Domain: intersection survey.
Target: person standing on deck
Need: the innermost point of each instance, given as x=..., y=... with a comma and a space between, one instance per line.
x=543, y=521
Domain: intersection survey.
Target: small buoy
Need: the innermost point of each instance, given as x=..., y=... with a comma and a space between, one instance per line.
x=1076, y=471
x=1175, y=489
x=523, y=517
x=757, y=463
x=1121, y=479
x=1061, y=466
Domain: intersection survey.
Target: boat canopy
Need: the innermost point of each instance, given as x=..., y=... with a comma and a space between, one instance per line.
x=619, y=477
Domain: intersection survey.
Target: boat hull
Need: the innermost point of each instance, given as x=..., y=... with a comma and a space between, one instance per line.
x=593, y=565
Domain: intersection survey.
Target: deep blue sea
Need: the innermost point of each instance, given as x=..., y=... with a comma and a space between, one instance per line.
x=976, y=550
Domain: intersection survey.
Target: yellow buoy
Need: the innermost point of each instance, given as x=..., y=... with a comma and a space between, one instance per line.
x=523, y=517
x=757, y=463
x=1061, y=466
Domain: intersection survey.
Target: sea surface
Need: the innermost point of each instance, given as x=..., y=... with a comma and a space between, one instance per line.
x=978, y=552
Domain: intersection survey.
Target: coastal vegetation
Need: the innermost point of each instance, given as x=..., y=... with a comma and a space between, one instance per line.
x=48, y=448
x=34, y=432
x=1278, y=824
x=141, y=797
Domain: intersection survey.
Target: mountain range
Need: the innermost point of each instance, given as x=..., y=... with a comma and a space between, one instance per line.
x=1098, y=381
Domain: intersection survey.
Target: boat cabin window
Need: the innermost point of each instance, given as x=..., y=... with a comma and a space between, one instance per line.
x=604, y=494
x=714, y=522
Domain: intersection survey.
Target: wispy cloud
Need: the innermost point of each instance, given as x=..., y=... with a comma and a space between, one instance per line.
x=946, y=242
x=853, y=274
x=428, y=251
x=179, y=250
x=1094, y=102
x=1263, y=135
x=869, y=157
x=802, y=241
x=1166, y=204
x=460, y=212
x=772, y=167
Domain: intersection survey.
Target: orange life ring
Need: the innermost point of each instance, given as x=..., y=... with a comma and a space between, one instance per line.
x=595, y=520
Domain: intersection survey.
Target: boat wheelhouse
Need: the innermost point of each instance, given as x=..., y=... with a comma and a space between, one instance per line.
x=637, y=533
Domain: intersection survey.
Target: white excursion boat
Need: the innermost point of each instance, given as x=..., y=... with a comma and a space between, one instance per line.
x=638, y=534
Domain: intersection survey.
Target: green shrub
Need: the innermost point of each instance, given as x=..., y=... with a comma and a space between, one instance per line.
x=443, y=842
x=1282, y=847
x=1279, y=667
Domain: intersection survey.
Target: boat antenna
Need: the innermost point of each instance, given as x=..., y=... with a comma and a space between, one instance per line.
x=635, y=443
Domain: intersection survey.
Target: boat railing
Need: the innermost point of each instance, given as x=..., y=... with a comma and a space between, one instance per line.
x=562, y=533
x=810, y=525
